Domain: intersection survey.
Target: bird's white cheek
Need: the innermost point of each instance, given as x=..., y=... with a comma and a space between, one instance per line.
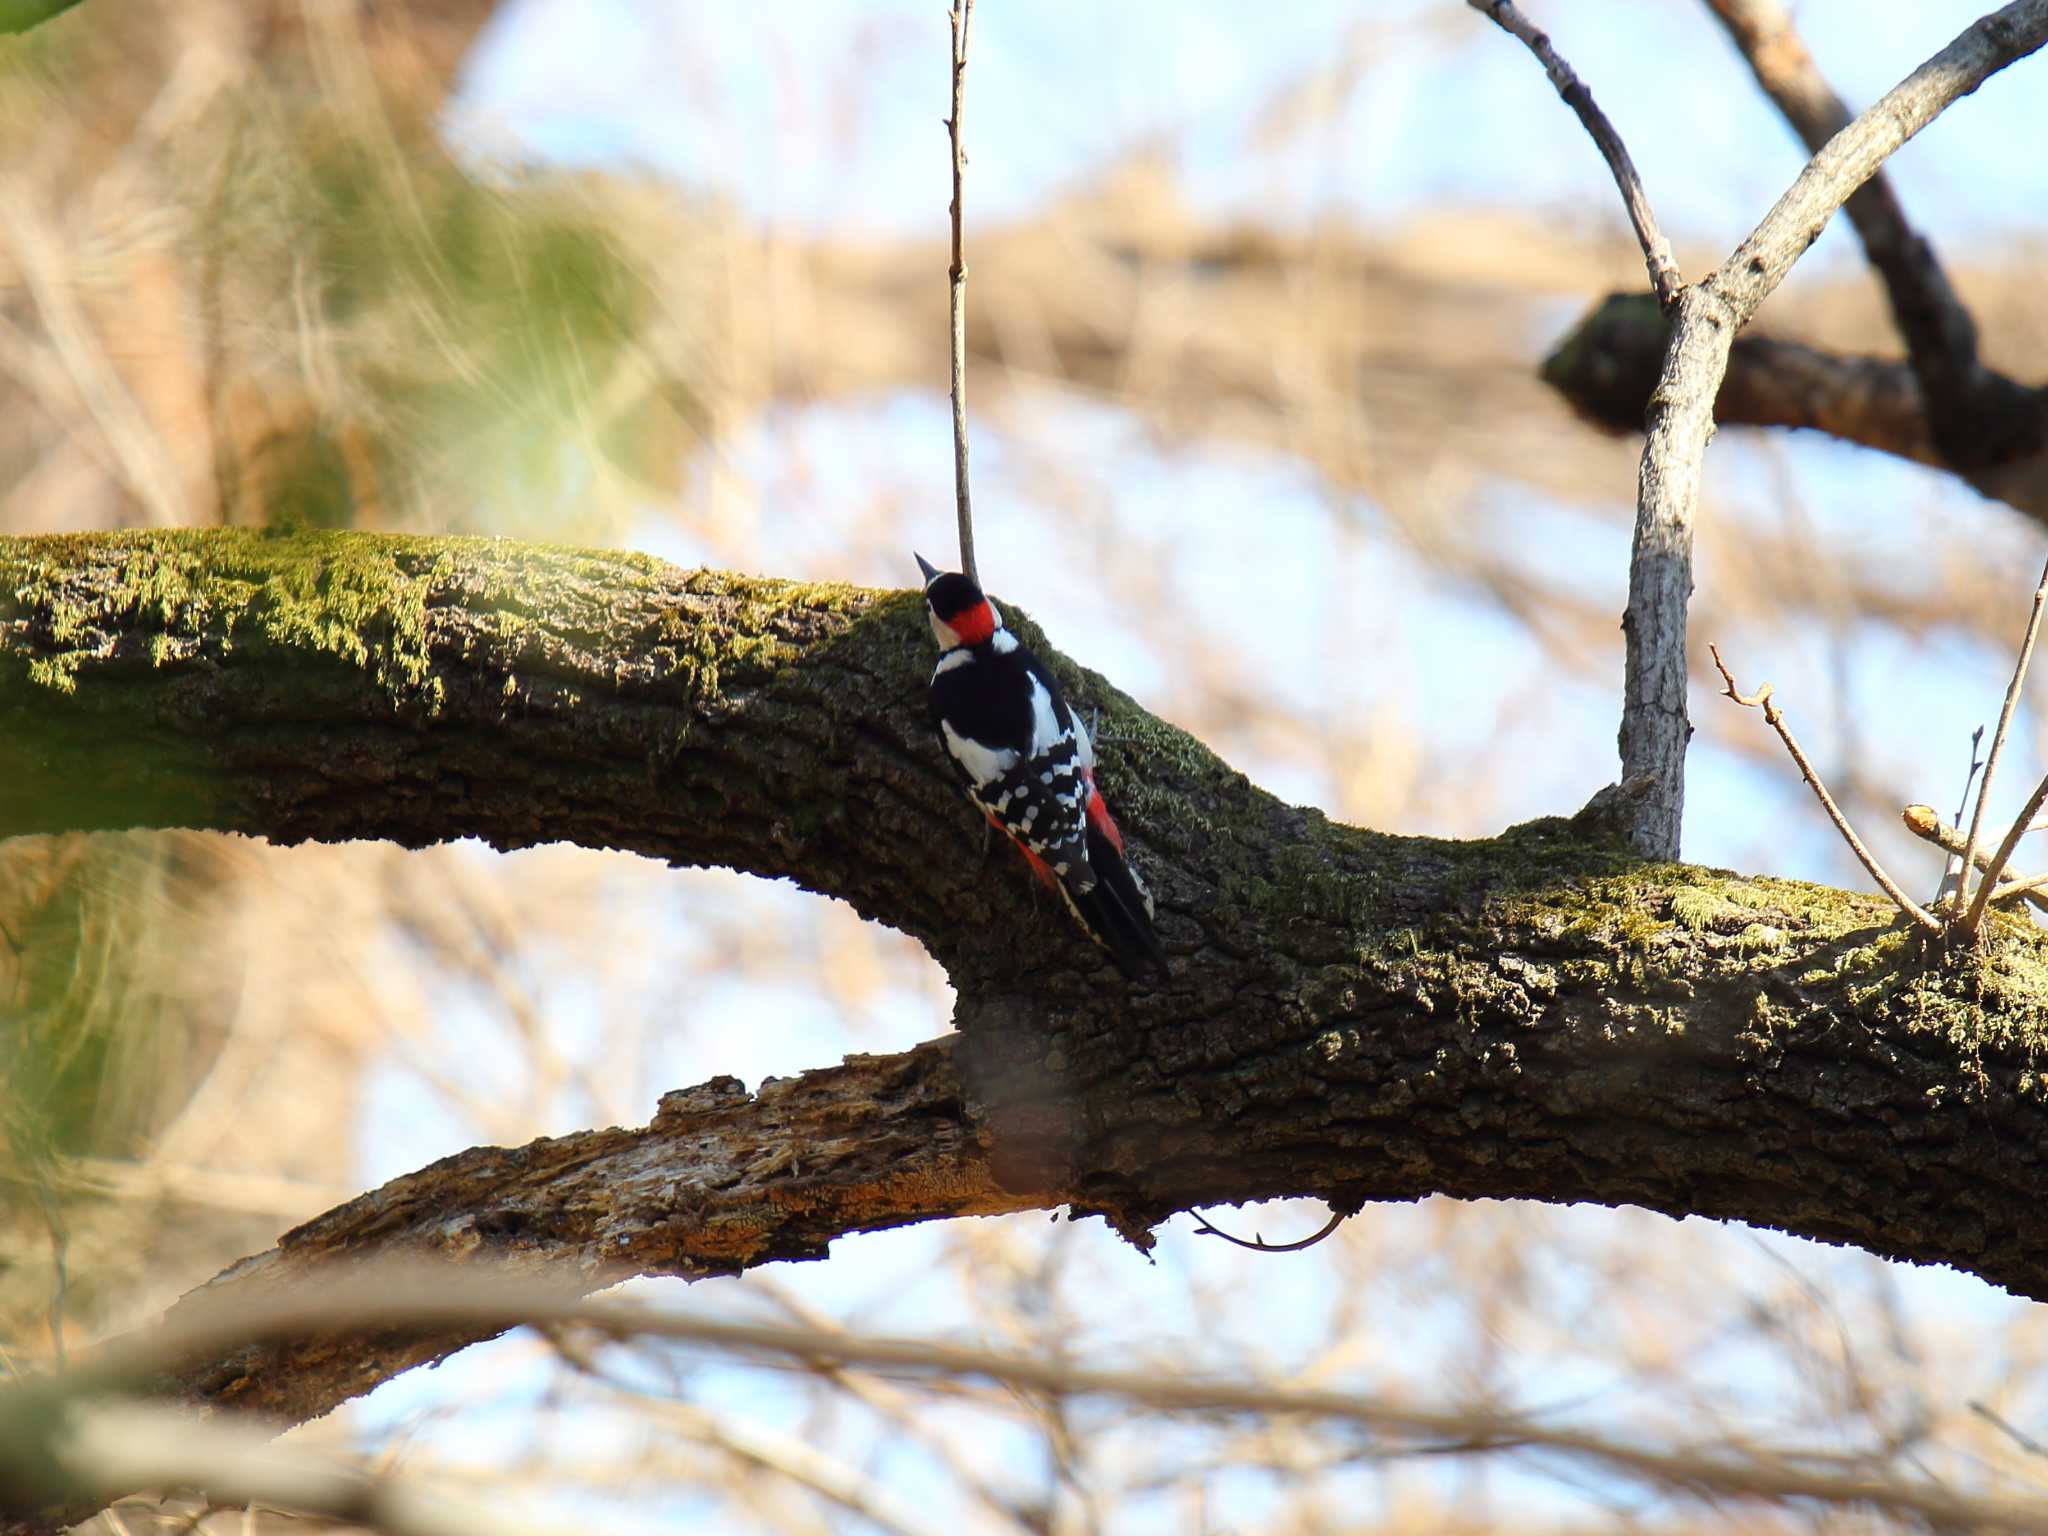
x=942, y=632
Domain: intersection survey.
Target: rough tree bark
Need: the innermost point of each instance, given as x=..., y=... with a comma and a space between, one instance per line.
x=1351, y=1015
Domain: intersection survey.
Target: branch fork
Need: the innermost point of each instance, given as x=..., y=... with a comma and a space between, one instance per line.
x=1705, y=319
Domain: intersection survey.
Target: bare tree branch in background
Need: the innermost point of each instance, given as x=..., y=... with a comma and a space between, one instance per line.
x=1607, y=367
x=397, y=1298
x=1978, y=418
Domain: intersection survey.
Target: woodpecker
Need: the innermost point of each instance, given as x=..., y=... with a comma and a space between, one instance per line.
x=1029, y=767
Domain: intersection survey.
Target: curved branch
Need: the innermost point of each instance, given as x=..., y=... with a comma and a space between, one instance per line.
x=1661, y=265
x=1349, y=1015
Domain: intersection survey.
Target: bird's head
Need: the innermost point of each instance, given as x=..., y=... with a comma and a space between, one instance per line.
x=959, y=613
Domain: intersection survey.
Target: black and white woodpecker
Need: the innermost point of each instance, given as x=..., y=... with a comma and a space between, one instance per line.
x=1029, y=767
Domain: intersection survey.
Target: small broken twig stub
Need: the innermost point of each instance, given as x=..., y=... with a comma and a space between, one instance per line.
x=1775, y=718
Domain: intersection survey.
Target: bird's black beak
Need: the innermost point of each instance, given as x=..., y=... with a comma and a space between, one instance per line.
x=930, y=574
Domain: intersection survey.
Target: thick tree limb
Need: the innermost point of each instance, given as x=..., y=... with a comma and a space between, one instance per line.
x=1350, y=1015
x=1654, y=723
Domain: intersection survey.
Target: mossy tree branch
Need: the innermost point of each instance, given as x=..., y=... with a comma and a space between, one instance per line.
x=1350, y=1015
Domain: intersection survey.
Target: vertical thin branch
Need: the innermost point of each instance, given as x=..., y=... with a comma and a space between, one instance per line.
x=1995, y=870
x=2012, y=698
x=1951, y=887
x=962, y=18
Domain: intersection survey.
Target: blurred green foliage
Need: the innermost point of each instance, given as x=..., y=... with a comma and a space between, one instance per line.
x=20, y=15
x=85, y=1015
x=474, y=348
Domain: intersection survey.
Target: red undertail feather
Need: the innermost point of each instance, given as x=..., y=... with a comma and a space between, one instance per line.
x=1098, y=813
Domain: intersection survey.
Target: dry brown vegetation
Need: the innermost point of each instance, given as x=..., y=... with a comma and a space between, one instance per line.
x=242, y=282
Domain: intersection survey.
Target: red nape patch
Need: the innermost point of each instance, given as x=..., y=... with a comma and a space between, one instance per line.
x=973, y=625
x=1098, y=813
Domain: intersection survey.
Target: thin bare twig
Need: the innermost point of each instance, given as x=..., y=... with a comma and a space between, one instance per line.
x=1924, y=823
x=1663, y=267
x=1206, y=1228
x=2028, y=888
x=2019, y=1437
x=962, y=18
x=1975, y=913
x=787, y=1456
x=1999, y=860
x=1775, y=717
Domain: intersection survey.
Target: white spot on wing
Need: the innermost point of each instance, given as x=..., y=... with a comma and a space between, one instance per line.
x=1002, y=640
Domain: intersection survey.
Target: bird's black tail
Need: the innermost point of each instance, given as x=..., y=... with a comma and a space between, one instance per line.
x=1118, y=910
